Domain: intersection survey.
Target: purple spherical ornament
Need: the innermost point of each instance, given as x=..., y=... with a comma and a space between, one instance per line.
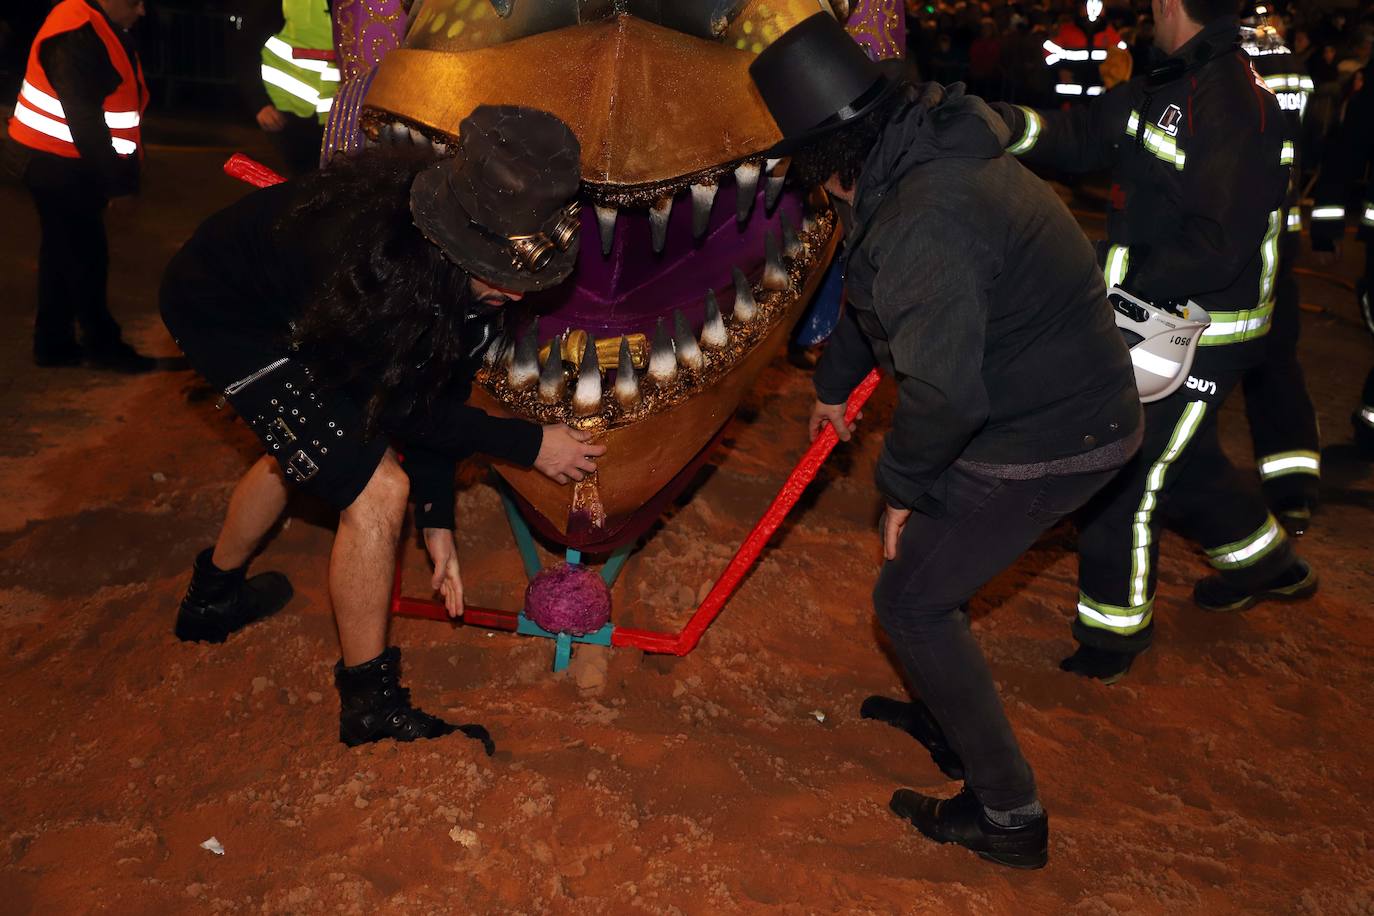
x=568, y=598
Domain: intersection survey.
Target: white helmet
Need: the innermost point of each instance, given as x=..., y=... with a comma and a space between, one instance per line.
x=1162, y=341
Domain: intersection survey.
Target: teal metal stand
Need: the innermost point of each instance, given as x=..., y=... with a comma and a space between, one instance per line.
x=529, y=557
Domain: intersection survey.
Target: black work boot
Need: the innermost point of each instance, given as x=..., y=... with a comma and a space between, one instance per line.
x=373, y=706
x=916, y=719
x=1101, y=664
x=1293, y=584
x=962, y=820
x=219, y=603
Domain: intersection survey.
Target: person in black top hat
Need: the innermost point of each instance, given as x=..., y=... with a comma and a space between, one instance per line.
x=343, y=315
x=968, y=283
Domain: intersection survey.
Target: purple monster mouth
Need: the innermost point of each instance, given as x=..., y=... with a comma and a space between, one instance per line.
x=689, y=276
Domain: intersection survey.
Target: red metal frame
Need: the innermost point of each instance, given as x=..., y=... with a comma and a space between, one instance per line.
x=686, y=639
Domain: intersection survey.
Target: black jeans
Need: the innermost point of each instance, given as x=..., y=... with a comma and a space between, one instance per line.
x=73, y=258
x=921, y=596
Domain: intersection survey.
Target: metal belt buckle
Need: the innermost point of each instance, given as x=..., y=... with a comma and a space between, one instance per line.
x=302, y=465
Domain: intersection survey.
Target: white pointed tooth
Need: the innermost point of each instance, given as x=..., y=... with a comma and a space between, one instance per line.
x=774, y=274
x=703, y=197
x=626, y=380
x=746, y=187
x=776, y=170
x=745, y=306
x=662, y=359
x=524, y=364
x=605, y=221
x=658, y=222
x=713, y=333
x=792, y=246
x=685, y=342
x=587, y=395
x=552, y=380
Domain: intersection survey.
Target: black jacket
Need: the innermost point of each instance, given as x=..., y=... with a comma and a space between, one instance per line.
x=257, y=21
x=970, y=283
x=79, y=68
x=1197, y=157
x=231, y=294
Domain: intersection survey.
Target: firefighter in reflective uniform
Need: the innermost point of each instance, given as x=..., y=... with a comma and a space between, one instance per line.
x=75, y=142
x=1075, y=58
x=1349, y=153
x=287, y=74
x=1196, y=147
x=1283, y=422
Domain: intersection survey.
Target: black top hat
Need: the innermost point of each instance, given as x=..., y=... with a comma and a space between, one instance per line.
x=815, y=78
x=505, y=207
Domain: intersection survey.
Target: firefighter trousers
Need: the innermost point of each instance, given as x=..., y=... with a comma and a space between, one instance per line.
x=1283, y=423
x=1182, y=475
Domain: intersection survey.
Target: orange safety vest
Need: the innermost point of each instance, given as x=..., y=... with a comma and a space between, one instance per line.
x=39, y=121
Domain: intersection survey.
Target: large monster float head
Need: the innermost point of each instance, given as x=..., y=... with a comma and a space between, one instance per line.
x=705, y=257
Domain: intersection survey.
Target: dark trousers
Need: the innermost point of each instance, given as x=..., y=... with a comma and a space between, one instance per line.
x=299, y=144
x=921, y=596
x=1283, y=423
x=1180, y=473
x=73, y=259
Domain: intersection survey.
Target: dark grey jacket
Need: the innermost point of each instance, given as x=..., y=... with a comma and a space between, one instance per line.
x=969, y=282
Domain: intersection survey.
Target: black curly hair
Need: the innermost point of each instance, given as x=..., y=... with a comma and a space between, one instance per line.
x=843, y=151
x=389, y=325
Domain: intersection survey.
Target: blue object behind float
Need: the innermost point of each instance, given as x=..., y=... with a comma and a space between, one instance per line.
x=821, y=316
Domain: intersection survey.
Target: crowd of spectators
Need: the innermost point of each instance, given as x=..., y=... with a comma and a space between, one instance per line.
x=998, y=47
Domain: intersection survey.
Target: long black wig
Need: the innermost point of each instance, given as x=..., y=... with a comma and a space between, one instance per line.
x=389, y=326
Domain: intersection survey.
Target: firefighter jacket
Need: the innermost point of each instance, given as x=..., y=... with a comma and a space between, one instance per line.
x=1348, y=153
x=82, y=98
x=1199, y=158
x=1287, y=78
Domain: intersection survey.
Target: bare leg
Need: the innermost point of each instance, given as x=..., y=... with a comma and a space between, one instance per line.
x=254, y=508
x=364, y=559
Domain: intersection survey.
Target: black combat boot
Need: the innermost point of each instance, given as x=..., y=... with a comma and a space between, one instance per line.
x=963, y=820
x=219, y=602
x=374, y=706
x=916, y=719
x=1100, y=664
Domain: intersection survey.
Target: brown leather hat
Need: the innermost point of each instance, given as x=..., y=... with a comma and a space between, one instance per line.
x=505, y=207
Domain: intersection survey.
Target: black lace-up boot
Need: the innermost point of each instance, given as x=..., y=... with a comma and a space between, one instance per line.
x=374, y=706
x=219, y=603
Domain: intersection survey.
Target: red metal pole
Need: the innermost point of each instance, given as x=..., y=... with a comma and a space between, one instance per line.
x=685, y=641
x=251, y=171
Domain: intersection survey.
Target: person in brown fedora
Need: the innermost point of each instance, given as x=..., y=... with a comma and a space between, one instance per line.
x=343, y=315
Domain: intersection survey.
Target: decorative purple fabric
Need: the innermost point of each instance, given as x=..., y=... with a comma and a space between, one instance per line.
x=568, y=598
x=880, y=27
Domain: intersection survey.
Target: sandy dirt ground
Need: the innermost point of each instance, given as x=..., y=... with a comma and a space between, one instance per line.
x=1230, y=772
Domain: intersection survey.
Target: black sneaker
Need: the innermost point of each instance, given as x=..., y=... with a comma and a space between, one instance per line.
x=1100, y=664
x=916, y=719
x=962, y=820
x=373, y=706
x=1297, y=582
x=120, y=357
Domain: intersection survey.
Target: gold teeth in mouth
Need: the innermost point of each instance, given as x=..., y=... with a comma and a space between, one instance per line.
x=563, y=381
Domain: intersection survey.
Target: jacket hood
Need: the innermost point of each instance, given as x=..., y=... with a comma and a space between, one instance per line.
x=931, y=122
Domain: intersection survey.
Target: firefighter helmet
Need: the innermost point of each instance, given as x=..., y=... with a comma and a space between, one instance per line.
x=1162, y=341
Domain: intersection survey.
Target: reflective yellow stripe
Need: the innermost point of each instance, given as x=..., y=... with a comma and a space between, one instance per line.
x=1250, y=550
x=1121, y=620
x=1237, y=327
x=1184, y=431
x=1367, y=217
x=1286, y=154
x=1160, y=144
x=1118, y=261
x=1269, y=258
x=1034, y=125
x=1328, y=212
x=1297, y=461
x=1295, y=219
